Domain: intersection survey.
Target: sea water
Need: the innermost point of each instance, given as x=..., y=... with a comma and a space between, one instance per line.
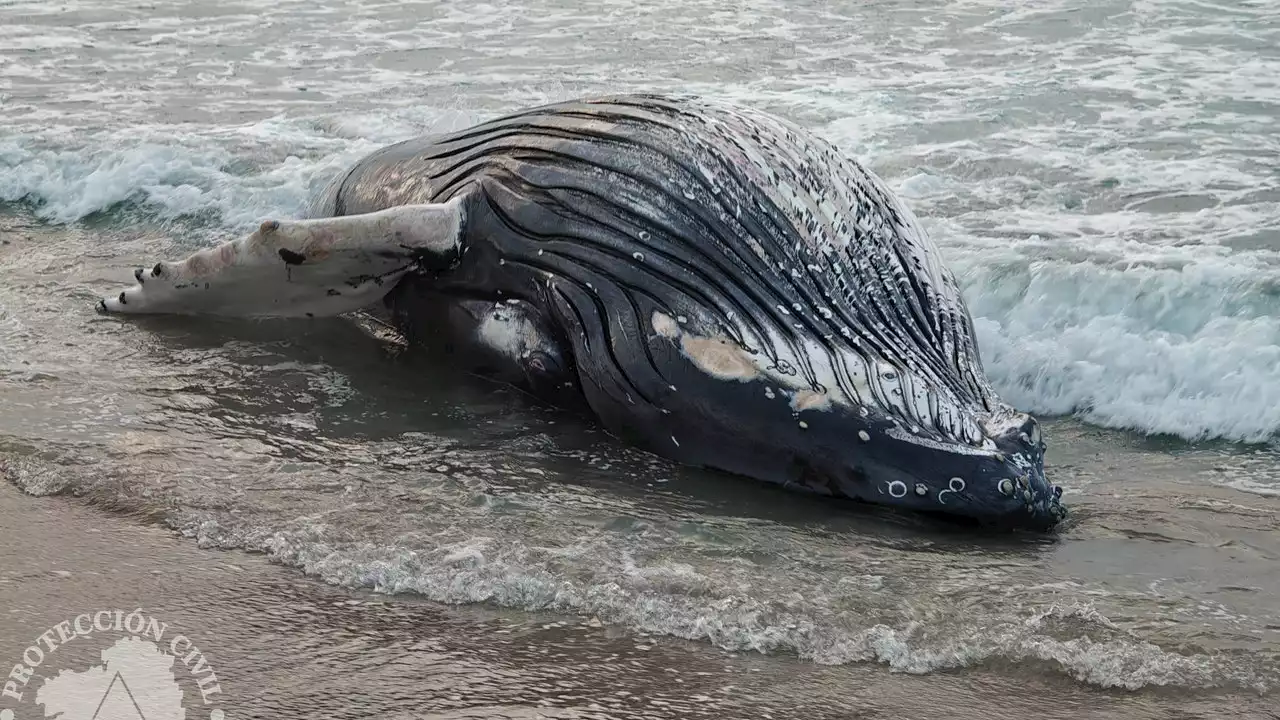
x=1104, y=179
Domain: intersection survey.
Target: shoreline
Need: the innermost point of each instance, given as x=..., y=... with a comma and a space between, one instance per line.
x=286, y=645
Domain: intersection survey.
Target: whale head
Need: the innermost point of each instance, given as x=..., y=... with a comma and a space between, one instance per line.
x=1021, y=453
x=995, y=479
x=1009, y=487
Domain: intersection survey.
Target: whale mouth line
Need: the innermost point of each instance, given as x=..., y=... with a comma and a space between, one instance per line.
x=1036, y=523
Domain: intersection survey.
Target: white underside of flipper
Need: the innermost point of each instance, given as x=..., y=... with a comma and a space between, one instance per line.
x=298, y=268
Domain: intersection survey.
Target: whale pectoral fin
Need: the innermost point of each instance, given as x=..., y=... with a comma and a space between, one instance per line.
x=299, y=268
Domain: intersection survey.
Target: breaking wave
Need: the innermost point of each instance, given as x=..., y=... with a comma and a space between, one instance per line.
x=1158, y=338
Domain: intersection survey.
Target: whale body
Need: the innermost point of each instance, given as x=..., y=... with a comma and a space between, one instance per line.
x=711, y=282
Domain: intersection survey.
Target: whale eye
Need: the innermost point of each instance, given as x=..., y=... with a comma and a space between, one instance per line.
x=1006, y=487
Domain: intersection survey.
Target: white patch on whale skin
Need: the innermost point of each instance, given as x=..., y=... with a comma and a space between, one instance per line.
x=810, y=400
x=726, y=360
x=958, y=448
x=665, y=325
x=297, y=268
x=718, y=357
x=1002, y=423
x=875, y=383
x=510, y=332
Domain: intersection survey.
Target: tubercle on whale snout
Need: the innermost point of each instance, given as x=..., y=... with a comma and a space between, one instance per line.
x=1004, y=488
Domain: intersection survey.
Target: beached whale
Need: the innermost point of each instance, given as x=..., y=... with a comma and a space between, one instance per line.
x=714, y=283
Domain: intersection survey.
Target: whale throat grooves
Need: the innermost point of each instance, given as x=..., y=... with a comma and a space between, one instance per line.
x=755, y=236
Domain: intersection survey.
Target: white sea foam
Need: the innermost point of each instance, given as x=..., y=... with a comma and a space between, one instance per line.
x=1254, y=487
x=673, y=598
x=1254, y=475
x=1140, y=145
x=175, y=177
x=1108, y=200
x=1164, y=341
x=740, y=584
x=1155, y=337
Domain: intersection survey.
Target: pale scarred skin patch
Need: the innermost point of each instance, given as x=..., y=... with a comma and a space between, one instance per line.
x=717, y=356
x=316, y=248
x=810, y=400
x=227, y=253
x=198, y=265
x=665, y=325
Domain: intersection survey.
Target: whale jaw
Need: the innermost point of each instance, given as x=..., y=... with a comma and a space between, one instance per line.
x=998, y=482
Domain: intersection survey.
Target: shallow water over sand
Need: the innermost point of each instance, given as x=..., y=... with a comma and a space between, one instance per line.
x=284, y=646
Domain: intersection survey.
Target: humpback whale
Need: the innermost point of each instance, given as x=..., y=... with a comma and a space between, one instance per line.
x=713, y=283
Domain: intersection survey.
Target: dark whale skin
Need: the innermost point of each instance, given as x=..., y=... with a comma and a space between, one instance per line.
x=723, y=288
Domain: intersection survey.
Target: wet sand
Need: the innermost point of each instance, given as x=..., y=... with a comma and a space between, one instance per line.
x=285, y=646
